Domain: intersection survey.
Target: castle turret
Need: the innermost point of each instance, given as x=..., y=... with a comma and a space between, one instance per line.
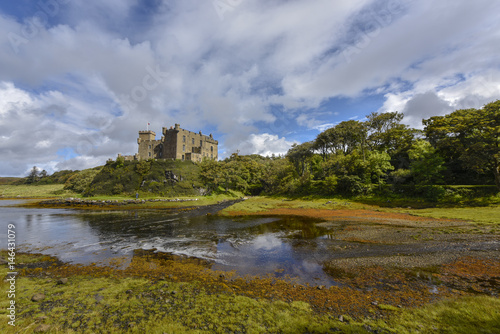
x=148, y=145
x=146, y=135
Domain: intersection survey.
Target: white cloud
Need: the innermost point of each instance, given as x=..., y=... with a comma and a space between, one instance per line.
x=265, y=144
x=100, y=71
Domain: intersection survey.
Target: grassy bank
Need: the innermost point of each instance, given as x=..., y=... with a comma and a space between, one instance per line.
x=35, y=191
x=485, y=211
x=487, y=214
x=166, y=296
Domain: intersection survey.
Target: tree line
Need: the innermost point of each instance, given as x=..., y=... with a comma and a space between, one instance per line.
x=376, y=155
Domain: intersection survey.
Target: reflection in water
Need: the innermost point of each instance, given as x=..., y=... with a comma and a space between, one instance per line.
x=250, y=245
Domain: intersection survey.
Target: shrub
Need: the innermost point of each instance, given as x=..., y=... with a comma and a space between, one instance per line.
x=351, y=185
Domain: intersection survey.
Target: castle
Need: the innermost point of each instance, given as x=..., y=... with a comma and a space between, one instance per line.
x=176, y=144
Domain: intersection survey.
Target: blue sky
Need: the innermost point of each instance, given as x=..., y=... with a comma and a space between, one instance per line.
x=79, y=79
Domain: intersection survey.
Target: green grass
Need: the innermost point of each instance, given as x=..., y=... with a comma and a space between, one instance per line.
x=489, y=215
x=35, y=191
x=264, y=203
x=479, y=314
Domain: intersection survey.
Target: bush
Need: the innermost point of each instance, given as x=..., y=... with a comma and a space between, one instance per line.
x=351, y=185
x=431, y=193
x=81, y=181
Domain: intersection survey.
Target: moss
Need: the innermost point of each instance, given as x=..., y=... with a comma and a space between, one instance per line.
x=388, y=307
x=480, y=314
x=156, y=295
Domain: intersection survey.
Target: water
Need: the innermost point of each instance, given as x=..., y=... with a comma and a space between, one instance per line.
x=249, y=245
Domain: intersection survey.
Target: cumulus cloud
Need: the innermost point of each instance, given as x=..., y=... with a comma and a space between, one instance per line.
x=265, y=144
x=423, y=106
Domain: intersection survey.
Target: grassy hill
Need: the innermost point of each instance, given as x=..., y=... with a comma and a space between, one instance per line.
x=158, y=177
x=9, y=180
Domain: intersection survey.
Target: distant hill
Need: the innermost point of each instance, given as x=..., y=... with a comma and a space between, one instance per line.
x=9, y=180
x=159, y=177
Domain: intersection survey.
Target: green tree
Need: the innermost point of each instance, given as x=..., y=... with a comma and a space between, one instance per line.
x=212, y=174
x=377, y=165
x=81, y=181
x=300, y=156
x=471, y=136
x=143, y=167
x=426, y=164
x=345, y=137
x=279, y=176
x=387, y=134
x=33, y=176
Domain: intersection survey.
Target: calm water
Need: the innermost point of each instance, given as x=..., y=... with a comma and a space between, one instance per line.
x=249, y=245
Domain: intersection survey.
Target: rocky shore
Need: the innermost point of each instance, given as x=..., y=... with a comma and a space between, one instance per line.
x=79, y=202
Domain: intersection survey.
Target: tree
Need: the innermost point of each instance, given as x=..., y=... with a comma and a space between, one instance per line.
x=33, y=175
x=350, y=135
x=81, y=181
x=212, y=174
x=378, y=164
x=471, y=136
x=387, y=134
x=426, y=164
x=345, y=137
x=300, y=156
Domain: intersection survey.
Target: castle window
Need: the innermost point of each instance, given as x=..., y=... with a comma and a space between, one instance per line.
x=201, y=142
x=149, y=153
x=149, y=146
x=193, y=141
x=183, y=157
x=211, y=148
x=183, y=139
x=183, y=148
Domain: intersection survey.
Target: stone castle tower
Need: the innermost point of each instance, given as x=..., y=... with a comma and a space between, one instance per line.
x=176, y=144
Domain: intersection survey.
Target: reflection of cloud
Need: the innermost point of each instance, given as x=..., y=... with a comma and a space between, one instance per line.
x=311, y=267
x=266, y=242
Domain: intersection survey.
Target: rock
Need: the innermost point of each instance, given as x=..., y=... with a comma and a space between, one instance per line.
x=173, y=292
x=98, y=298
x=42, y=328
x=62, y=281
x=128, y=292
x=320, y=287
x=374, y=303
x=341, y=318
x=38, y=297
